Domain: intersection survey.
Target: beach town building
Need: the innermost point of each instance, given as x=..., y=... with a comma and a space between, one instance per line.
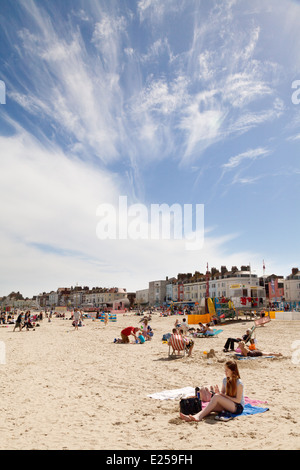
x=292, y=286
x=242, y=286
x=142, y=297
x=43, y=300
x=170, y=287
x=53, y=298
x=79, y=296
x=99, y=296
x=274, y=286
x=157, y=292
x=15, y=300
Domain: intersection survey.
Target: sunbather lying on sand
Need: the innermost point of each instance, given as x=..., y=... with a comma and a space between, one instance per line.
x=246, y=352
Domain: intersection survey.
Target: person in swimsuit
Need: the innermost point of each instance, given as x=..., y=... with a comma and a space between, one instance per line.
x=256, y=353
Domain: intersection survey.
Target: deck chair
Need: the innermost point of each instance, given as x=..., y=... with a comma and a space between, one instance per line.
x=262, y=321
x=210, y=334
x=176, y=343
x=252, y=331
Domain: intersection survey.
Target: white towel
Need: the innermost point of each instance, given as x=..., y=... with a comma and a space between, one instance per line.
x=176, y=394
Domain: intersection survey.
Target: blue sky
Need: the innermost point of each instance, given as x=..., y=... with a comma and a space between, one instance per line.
x=186, y=102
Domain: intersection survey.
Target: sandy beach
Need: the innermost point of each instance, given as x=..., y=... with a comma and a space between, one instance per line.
x=67, y=389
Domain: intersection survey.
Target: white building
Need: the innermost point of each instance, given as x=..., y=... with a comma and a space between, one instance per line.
x=292, y=286
x=157, y=292
x=142, y=296
x=235, y=285
x=53, y=299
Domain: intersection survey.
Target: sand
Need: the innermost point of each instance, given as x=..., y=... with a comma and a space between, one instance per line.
x=67, y=389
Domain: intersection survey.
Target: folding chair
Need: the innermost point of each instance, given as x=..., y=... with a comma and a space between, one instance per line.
x=261, y=321
x=177, y=343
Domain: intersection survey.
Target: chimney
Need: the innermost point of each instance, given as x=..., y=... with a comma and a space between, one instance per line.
x=223, y=270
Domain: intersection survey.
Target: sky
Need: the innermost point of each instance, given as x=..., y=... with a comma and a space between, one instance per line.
x=184, y=102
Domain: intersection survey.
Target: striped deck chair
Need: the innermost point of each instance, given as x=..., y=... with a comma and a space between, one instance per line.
x=177, y=344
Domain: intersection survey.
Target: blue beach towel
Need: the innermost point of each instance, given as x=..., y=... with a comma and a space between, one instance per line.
x=240, y=357
x=252, y=410
x=248, y=410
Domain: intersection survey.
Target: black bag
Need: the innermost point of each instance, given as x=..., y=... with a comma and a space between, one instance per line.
x=190, y=406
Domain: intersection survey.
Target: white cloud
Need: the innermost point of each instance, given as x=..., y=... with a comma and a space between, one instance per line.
x=108, y=27
x=294, y=137
x=48, y=237
x=155, y=10
x=251, y=154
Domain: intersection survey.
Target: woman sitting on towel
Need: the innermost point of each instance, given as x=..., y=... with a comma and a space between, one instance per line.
x=256, y=353
x=229, y=399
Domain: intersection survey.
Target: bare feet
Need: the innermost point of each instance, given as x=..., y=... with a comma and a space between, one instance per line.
x=188, y=418
x=184, y=417
x=192, y=418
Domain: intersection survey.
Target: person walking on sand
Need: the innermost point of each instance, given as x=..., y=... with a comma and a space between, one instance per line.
x=18, y=323
x=105, y=318
x=76, y=317
x=229, y=399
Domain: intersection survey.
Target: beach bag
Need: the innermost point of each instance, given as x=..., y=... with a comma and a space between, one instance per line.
x=190, y=406
x=166, y=337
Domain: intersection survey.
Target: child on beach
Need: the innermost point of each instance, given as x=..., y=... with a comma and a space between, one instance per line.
x=229, y=399
x=252, y=346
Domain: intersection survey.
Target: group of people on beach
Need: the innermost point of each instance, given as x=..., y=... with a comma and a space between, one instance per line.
x=225, y=401
x=29, y=321
x=243, y=349
x=229, y=400
x=140, y=334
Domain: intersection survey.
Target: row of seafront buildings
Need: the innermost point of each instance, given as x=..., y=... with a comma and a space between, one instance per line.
x=81, y=297
x=244, y=288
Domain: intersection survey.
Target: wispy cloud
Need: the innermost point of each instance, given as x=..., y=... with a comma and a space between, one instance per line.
x=252, y=154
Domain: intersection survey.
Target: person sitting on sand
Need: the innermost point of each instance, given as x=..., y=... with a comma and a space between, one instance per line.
x=230, y=341
x=174, y=338
x=146, y=329
x=188, y=342
x=256, y=353
x=229, y=399
x=184, y=326
x=28, y=324
x=205, y=329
